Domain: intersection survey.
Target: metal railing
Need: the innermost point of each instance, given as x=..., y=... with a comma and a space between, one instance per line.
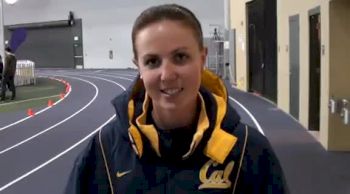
x=25, y=73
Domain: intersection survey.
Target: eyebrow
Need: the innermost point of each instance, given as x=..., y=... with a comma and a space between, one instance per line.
x=150, y=55
x=147, y=56
x=179, y=49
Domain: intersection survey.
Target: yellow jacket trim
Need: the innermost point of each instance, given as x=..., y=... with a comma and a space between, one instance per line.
x=220, y=143
x=214, y=84
x=135, y=135
x=148, y=130
x=203, y=125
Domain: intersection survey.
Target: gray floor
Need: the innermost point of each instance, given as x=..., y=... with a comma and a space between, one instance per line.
x=308, y=167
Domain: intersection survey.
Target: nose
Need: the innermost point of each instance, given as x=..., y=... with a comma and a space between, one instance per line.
x=168, y=71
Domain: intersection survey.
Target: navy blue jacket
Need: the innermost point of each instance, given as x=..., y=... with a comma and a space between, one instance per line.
x=219, y=154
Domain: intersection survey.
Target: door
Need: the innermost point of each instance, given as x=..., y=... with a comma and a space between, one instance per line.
x=294, y=63
x=48, y=47
x=339, y=79
x=78, y=55
x=262, y=47
x=50, y=44
x=315, y=72
x=255, y=52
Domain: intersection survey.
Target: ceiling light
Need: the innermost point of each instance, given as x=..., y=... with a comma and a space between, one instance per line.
x=10, y=1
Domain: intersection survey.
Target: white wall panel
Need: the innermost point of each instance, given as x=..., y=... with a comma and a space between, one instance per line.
x=106, y=23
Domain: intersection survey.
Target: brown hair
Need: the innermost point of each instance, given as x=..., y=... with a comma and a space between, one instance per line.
x=167, y=12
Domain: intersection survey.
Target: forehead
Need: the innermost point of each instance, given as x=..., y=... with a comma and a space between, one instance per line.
x=165, y=34
x=166, y=25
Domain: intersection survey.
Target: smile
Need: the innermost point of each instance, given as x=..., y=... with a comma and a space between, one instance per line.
x=171, y=91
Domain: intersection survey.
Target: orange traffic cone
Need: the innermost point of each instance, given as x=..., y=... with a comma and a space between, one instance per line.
x=67, y=88
x=30, y=112
x=49, y=103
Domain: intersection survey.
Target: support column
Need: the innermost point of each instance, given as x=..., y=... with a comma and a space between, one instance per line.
x=2, y=46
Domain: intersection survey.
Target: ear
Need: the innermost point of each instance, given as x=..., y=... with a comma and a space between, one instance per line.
x=204, y=55
x=138, y=67
x=135, y=62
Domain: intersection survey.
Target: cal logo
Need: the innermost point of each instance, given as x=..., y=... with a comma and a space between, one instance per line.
x=217, y=179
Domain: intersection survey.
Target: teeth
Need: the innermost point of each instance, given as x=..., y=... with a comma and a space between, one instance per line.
x=171, y=91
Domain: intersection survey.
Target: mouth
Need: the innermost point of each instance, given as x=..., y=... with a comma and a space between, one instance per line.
x=171, y=91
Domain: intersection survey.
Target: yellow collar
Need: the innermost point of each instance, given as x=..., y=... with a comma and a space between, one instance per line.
x=220, y=142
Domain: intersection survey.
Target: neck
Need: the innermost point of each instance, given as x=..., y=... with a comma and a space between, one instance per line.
x=180, y=117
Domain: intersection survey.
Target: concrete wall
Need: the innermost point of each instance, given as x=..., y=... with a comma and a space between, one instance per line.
x=329, y=136
x=238, y=22
x=285, y=9
x=106, y=24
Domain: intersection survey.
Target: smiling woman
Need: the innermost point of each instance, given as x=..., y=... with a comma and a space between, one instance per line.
x=170, y=63
x=175, y=131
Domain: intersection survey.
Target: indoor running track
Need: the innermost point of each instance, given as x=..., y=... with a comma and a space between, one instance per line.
x=37, y=153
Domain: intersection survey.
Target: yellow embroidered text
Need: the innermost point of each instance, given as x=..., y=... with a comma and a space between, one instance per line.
x=218, y=179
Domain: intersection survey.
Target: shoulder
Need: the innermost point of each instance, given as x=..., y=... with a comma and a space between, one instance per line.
x=112, y=133
x=120, y=104
x=261, y=167
x=91, y=157
x=88, y=169
x=258, y=147
x=256, y=138
x=255, y=150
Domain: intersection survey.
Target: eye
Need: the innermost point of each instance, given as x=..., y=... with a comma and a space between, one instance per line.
x=181, y=58
x=152, y=62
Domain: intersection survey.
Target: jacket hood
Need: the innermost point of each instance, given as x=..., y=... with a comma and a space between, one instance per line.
x=216, y=121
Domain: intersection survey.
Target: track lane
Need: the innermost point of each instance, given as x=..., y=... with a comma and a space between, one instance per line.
x=14, y=118
x=55, y=141
x=15, y=135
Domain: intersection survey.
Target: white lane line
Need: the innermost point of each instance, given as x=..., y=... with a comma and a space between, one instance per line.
x=31, y=99
x=107, y=75
x=57, y=124
x=119, y=77
x=53, y=158
x=120, y=74
x=37, y=113
x=107, y=80
x=250, y=115
x=62, y=153
x=85, y=75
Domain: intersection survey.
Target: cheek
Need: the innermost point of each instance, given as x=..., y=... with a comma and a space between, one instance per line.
x=150, y=82
x=193, y=76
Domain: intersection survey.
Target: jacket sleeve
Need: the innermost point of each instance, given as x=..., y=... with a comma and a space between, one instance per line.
x=6, y=65
x=89, y=173
x=261, y=169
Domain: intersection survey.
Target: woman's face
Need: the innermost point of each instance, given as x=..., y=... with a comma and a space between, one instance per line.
x=170, y=63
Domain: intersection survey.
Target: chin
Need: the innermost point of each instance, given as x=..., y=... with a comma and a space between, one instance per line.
x=170, y=106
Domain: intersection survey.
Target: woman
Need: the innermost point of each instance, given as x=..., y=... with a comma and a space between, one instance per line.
x=175, y=131
x=1, y=68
